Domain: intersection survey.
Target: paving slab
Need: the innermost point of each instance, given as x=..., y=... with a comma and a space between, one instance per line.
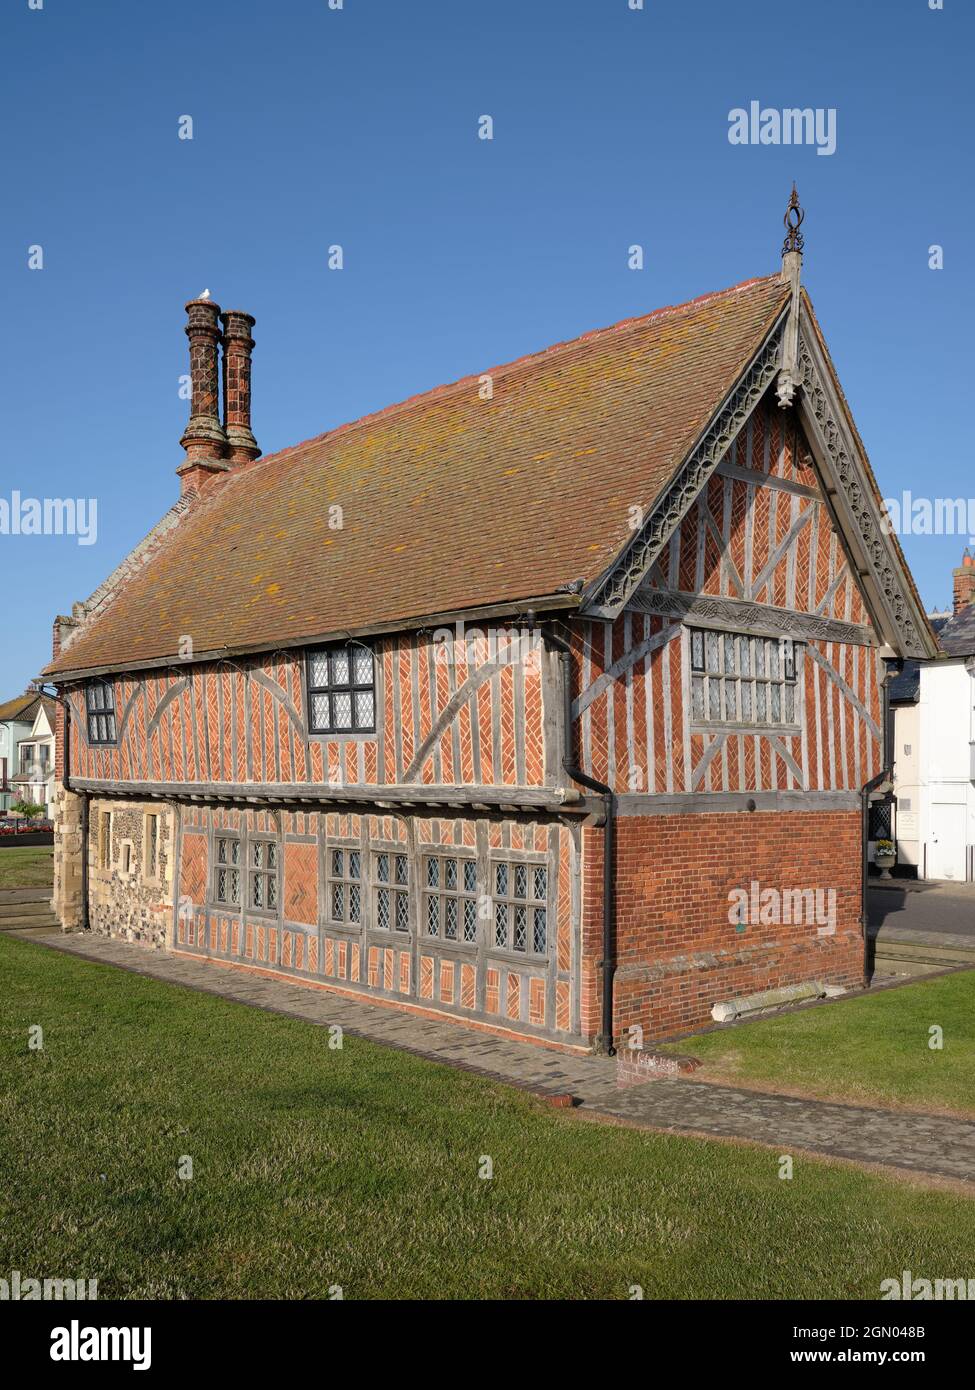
x=929, y=1144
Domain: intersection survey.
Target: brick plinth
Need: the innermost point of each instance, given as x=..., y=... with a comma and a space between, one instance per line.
x=677, y=952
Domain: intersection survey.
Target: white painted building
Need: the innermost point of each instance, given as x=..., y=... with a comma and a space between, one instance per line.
x=933, y=705
x=35, y=761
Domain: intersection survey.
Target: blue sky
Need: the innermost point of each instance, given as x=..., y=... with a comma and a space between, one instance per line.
x=358, y=126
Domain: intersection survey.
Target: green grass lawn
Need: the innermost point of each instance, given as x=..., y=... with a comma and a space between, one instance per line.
x=27, y=866
x=359, y=1168
x=873, y=1048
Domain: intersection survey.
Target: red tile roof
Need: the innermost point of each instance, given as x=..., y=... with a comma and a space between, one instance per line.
x=23, y=708
x=449, y=501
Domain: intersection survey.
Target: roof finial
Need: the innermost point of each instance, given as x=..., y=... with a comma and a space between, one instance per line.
x=791, y=272
x=793, y=219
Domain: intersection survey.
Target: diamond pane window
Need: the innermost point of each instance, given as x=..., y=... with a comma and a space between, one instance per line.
x=340, y=667
x=263, y=891
x=539, y=931
x=342, y=690
x=226, y=880
x=342, y=710
x=321, y=717
x=714, y=699
x=697, y=651
x=392, y=906
x=100, y=708
x=742, y=681
x=365, y=709
x=444, y=895
x=520, y=910
x=521, y=928
x=362, y=665
x=344, y=896
x=450, y=919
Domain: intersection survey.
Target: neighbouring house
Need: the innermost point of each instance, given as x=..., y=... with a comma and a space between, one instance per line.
x=932, y=813
x=490, y=704
x=34, y=778
x=17, y=718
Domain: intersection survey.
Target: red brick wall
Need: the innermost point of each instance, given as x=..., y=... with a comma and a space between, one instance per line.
x=677, y=952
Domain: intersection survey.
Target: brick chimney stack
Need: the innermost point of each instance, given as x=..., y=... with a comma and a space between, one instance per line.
x=964, y=577
x=237, y=347
x=203, y=439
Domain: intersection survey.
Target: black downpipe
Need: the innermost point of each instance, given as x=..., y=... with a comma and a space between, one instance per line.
x=604, y=1041
x=885, y=774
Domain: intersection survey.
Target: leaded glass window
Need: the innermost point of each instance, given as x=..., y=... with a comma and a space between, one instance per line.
x=521, y=907
x=341, y=690
x=226, y=873
x=345, y=886
x=263, y=874
x=391, y=877
x=450, y=898
x=736, y=679
x=100, y=705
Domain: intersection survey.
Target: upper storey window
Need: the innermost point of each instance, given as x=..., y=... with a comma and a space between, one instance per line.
x=736, y=679
x=342, y=690
x=100, y=705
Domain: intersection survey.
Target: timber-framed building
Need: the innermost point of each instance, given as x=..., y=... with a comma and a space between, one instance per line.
x=487, y=705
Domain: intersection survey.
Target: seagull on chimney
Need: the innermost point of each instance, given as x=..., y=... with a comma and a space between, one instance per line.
x=205, y=294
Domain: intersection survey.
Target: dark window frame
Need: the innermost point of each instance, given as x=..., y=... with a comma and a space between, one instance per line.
x=267, y=872
x=227, y=865
x=508, y=902
x=345, y=890
x=104, y=712
x=332, y=687
x=392, y=890
x=725, y=667
x=450, y=897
